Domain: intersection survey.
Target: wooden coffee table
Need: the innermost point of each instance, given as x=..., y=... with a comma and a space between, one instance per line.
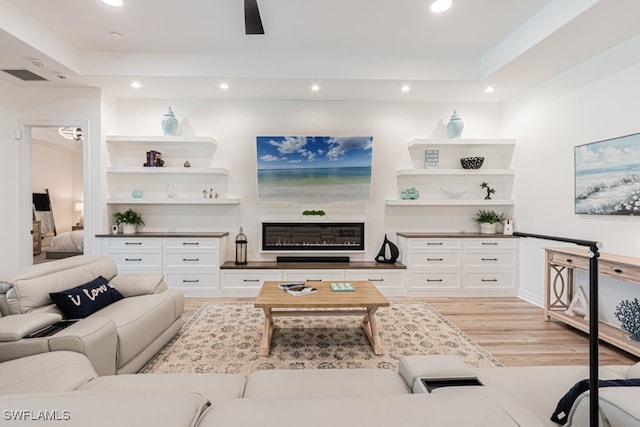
x=365, y=300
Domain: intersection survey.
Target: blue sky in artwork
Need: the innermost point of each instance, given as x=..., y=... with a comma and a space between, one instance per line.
x=616, y=152
x=287, y=152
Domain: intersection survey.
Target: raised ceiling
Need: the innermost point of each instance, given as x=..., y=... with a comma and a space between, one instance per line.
x=354, y=49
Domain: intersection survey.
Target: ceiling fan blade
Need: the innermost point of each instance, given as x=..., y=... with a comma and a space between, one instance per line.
x=252, y=21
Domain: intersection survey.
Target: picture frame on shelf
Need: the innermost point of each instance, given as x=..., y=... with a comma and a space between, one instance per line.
x=431, y=159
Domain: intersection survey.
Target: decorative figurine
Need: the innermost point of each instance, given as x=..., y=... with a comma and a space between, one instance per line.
x=490, y=190
x=204, y=193
x=159, y=162
x=388, y=252
x=187, y=164
x=409, y=194
x=211, y=193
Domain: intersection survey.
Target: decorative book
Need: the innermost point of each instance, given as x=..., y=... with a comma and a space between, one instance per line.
x=342, y=287
x=301, y=290
x=431, y=159
x=289, y=285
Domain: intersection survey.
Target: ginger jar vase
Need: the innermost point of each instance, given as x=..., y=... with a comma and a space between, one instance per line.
x=455, y=126
x=169, y=123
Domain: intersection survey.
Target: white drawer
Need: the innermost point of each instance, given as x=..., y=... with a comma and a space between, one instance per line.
x=380, y=278
x=421, y=259
x=490, y=243
x=248, y=279
x=190, y=280
x=313, y=275
x=489, y=259
x=132, y=243
x=142, y=259
x=191, y=243
x=434, y=280
x=184, y=259
x=433, y=243
x=488, y=280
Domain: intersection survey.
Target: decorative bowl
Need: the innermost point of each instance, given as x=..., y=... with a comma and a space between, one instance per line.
x=453, y=193
x=471, y=162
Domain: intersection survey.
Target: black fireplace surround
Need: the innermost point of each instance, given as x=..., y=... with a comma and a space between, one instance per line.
x=301, y=236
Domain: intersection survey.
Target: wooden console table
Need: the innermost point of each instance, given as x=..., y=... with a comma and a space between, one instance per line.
x=560, y=264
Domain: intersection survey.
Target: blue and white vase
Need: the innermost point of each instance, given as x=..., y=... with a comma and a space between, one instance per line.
x=455, y=126
x=169, y=123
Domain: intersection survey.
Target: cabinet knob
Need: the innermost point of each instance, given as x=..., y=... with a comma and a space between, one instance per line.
x=617, y=270
x=569, y=260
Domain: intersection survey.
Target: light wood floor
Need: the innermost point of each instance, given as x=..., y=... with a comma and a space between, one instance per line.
x=511, y=329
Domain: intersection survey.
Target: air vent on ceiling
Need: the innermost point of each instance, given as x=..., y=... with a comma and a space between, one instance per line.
x=25, y=75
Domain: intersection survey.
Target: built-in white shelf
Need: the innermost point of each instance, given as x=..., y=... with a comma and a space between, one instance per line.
x=174, y=201
x=455, y=172
x=131, y=170
x=160, y=139
x=422, y=143
x=447, y=202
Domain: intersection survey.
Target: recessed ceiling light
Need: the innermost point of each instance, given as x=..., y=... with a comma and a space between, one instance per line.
x=115, y=3
x=438, y=6
x=115, y=35
x=315, y=88
x=489, y=89
x=405, y=88
x=224, y=86
x=136, y=84
x=38, y=63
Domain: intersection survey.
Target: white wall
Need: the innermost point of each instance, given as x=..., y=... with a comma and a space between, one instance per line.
x=9, y=176
x=235, y=125
x=594, y=101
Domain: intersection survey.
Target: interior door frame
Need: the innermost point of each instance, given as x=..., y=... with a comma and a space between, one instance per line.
x=25, y=223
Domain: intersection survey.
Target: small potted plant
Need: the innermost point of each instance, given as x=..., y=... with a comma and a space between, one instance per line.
x=313, y=214
x=130, y=219
x=488, y=220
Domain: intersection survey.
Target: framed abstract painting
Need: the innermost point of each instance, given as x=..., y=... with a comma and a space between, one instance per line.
x=607, y=177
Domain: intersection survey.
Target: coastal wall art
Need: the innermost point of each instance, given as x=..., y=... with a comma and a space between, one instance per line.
x=314, y=168
x=607, y=177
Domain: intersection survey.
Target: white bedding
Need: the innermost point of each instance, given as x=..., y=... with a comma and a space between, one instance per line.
x=68, y=241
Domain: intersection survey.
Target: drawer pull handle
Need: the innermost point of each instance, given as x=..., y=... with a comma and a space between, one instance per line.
x=191, y=243
x=313, y=280
x=190, y=259
x=133, y=243
x=376, y=280
x=250, y=280
x=569, y=260
x=489, y=280
x=434, y=259
x=133, y=259
x=489, y=259
x=435, y=243
x=490, y=243
x=617, y=270
x=190, y=281
x=434, y=280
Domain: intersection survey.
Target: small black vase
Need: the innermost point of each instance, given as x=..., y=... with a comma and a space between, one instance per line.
x=388, y=248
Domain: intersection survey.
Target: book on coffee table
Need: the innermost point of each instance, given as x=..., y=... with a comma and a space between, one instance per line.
x=289, y=285
x=301, y=290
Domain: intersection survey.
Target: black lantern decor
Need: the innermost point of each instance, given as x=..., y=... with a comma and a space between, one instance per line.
x=241, y=248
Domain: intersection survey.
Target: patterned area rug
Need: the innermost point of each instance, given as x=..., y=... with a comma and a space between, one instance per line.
x=224, y=338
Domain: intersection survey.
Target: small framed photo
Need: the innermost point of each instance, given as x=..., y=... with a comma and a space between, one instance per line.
x=431, y=159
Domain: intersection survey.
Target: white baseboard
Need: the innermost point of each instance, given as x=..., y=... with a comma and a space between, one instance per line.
x=531, y=297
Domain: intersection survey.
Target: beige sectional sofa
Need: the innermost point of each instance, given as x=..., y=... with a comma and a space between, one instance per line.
x=74, y=393
x=119, y=338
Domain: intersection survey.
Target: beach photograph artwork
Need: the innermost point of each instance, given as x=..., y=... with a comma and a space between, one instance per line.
x=607, y=177
x=314, y=168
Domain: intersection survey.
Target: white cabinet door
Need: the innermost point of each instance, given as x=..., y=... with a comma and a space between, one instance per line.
x=246, y=283
x=314, y=275
x=389, y=283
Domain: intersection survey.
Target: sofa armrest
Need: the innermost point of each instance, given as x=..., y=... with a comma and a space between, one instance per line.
x=18, y=326
x=131, y=285
x=618, y=407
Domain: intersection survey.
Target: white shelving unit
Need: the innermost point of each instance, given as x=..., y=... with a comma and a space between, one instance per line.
x=188, y=185
x=433, y=184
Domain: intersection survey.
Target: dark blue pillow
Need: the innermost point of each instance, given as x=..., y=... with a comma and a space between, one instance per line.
x=84, y=300
x=561, y=414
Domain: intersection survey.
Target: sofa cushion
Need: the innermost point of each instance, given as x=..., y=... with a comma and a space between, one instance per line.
x=45, y=372
x=302, y=383
x=213, y=387
x=107, y=408
x=86, y=299
x=30, y=288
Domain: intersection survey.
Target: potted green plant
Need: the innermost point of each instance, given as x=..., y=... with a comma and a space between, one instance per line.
x=313, y=214
x=130, y=219
x=488, y=220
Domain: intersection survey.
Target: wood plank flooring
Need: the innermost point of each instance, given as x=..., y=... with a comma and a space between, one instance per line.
x=511, y=329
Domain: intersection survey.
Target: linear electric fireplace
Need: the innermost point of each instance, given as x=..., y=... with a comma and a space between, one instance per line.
x=300, y=236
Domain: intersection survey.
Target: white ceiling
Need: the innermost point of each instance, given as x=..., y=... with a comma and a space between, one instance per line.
x=355, y=49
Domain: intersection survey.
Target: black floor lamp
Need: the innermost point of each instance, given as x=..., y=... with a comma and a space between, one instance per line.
x=593, y=316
